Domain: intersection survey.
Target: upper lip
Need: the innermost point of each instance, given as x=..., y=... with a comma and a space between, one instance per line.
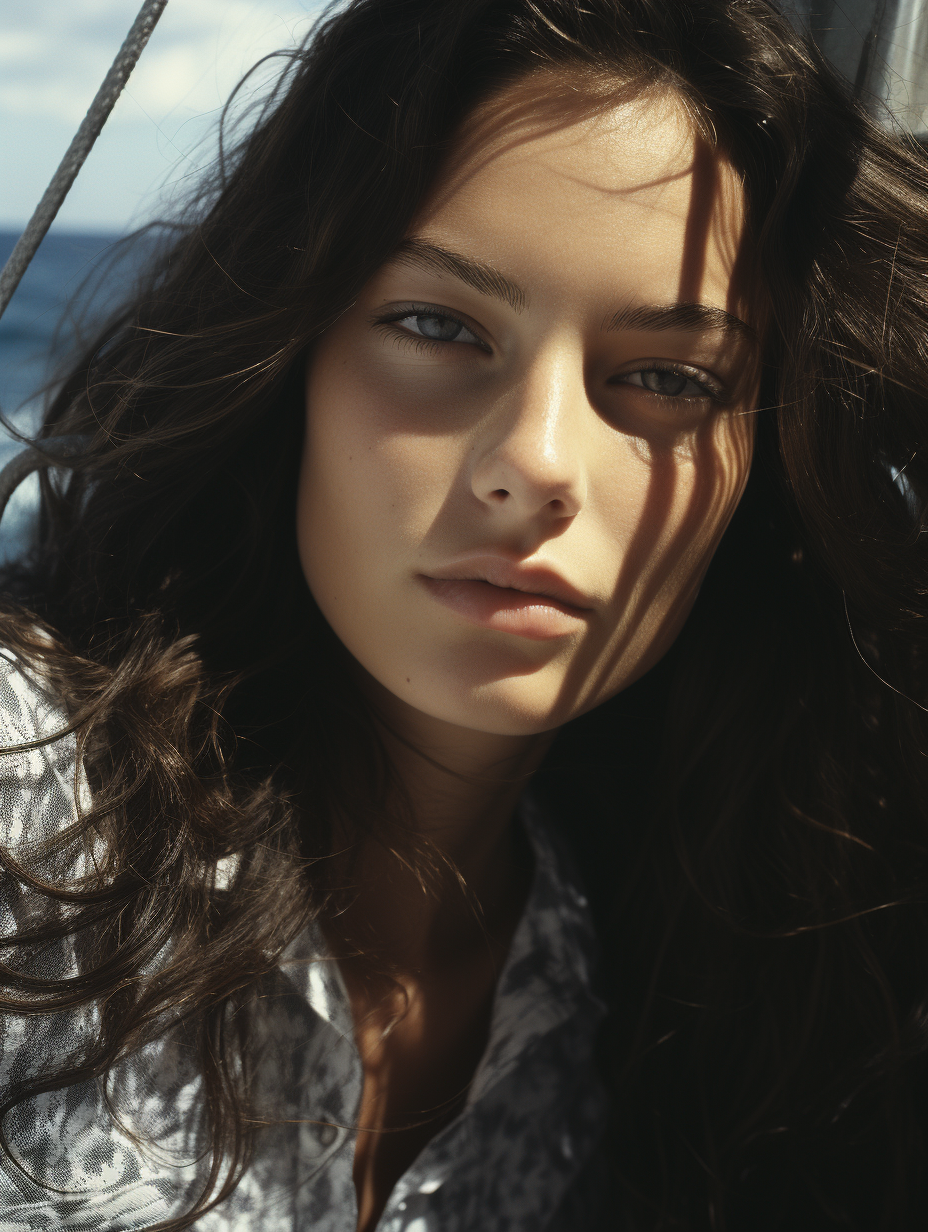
x=510, y=575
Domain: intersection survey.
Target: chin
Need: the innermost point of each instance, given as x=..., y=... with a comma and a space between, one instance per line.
x=513, y=706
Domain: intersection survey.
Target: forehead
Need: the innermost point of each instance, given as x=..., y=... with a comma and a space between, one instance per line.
x=626, y=197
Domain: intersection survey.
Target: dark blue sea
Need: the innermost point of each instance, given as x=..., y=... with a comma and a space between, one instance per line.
x=74, y=281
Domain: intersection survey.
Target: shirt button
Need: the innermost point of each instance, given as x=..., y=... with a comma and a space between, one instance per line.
x=327, y=1134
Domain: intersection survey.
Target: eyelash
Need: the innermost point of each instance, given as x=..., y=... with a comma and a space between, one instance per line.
x=711, y=388
x=417, y=341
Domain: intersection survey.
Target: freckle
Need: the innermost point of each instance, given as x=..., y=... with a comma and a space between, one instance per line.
x=407, y=680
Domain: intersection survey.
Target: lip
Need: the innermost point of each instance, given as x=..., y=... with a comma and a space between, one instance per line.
x=496, y=593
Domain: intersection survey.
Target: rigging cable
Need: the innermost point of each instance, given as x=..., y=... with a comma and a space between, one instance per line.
x=79, y=148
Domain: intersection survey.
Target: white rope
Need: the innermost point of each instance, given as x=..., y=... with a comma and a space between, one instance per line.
x=79, y=148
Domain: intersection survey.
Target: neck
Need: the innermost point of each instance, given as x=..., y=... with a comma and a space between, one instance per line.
x=461, y=788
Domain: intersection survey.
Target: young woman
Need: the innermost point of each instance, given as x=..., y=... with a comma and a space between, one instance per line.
x=508, y=488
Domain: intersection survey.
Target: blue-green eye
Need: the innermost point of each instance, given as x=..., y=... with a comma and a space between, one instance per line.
x=668, y=383
x=438, y=328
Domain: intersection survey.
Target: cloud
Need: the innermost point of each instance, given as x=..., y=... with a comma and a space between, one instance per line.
x=54, y=54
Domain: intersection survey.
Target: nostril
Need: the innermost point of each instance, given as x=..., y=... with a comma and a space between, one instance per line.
x=499, y=494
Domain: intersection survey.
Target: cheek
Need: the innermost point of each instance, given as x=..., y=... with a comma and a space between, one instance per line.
x=679, y=502
x=702, y=481
x=671, y=504
x=369, y=488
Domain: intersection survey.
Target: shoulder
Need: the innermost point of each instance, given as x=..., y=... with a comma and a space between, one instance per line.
x=39, y=785
x=28, y=710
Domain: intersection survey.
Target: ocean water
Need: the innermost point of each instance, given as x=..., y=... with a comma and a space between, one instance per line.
x=74, y=281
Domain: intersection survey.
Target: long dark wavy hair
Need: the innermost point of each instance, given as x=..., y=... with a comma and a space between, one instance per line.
x=752, y=815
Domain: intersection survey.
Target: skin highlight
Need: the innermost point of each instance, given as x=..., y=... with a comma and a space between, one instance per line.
x=505, y=516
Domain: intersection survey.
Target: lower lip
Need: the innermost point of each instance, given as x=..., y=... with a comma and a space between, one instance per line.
x=508, y=611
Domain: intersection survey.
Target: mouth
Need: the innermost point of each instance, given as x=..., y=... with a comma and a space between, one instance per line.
x=494, y=593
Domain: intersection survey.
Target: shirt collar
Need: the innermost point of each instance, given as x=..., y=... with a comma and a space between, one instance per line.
x=548, y=974
x=546, y=978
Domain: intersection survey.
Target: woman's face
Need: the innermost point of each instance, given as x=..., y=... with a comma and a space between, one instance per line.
x=525, y=439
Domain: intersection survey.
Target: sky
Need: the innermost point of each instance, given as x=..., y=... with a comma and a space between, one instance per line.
x=55, y=53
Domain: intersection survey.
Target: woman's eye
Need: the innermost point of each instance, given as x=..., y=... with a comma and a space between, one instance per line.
x=668, y=382
x=438, y=328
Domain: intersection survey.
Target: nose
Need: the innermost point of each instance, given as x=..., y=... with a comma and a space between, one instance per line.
x=530, y=457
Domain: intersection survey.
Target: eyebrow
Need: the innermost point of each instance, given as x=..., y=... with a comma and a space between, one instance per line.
x=695, y=317
x=488, y=280
x=477, y=274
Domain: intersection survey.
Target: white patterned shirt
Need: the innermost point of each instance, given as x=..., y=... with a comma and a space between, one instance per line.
x=509, y=1162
